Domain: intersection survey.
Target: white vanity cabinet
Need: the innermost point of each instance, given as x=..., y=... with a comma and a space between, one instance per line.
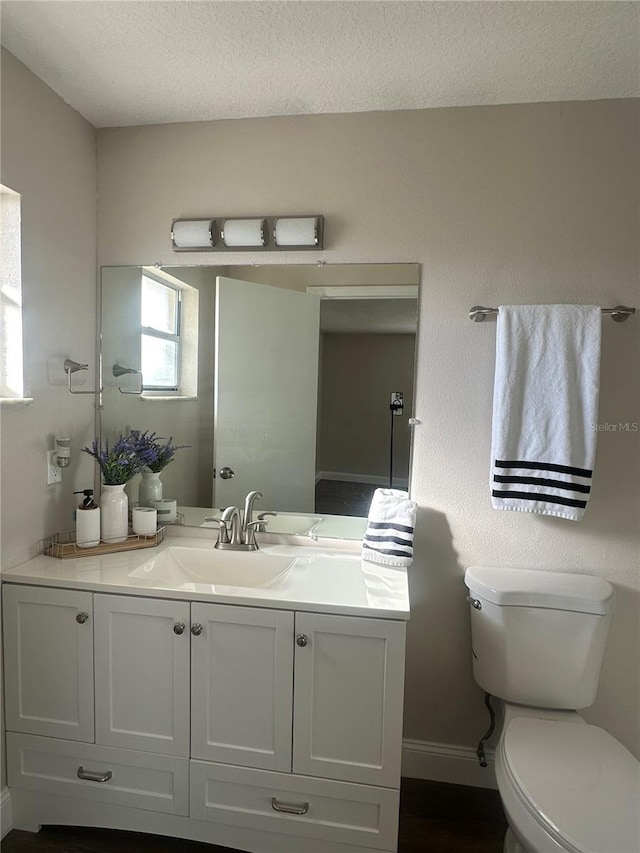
x=142, y=673
x=242, y=685
x=349, y=681
x=48, y=666
x=253, y=727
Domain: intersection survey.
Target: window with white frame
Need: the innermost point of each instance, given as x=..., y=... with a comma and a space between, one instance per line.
x=160, y=339
x=11, y=373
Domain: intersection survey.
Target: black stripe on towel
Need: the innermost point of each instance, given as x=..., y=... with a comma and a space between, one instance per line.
x=381, y=525
x=543, y=481
x=386, y=551
x=532, y=496
x=543, y=466
x=406, y=542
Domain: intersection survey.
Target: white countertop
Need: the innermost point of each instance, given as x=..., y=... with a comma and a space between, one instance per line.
x=319, y=579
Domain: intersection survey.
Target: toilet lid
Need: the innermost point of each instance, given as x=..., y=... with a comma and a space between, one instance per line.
x=581, y=784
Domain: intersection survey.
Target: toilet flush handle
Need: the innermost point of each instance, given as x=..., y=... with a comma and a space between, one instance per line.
x=475, y=602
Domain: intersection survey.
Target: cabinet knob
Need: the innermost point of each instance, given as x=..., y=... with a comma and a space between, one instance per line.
x=196, y=629
x=302, y=640
x=81, y=618
x=178, y=628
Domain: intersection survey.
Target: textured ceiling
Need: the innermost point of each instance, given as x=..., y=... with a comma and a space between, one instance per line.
x=125, y=63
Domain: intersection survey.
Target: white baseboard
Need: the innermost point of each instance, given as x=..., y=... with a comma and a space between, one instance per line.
x=443, y=762
x=371, y=479
x=6, y=812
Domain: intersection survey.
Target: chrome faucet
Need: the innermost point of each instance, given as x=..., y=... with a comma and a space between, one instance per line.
x=232, y=524
x=238, y=531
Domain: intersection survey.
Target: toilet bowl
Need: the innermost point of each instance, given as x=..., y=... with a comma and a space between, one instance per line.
x=566, y=786
x=538, y=639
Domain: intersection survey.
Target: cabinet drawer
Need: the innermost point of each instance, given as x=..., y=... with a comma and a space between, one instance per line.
x=341, y=812
x=158, y=783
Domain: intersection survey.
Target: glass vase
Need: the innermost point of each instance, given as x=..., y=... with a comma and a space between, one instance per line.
x=150, y=489
x=114, y=514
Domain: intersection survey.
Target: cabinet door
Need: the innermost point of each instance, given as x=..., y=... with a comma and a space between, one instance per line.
x=349, y=681
x=48, y=641
x=242, y=683
x=142, y=673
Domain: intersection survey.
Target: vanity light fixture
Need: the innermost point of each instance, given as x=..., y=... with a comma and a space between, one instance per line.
x=189, y=234
x=261, y=233
x=244, y=233
x=296, y=232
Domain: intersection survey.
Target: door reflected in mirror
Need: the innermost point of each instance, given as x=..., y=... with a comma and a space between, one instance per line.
x=295, y=380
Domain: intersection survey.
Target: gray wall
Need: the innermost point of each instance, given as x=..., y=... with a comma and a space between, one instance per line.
x=509, y=204
x=358, y=374
x=48, y=155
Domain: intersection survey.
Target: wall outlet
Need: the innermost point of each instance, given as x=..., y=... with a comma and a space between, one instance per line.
x=54, y=474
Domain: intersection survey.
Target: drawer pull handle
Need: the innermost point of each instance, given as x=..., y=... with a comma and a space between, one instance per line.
x=178, y=628
x=196, y=629
x=81, y=618
x=289, y=808
x=94, y=777
x=302, y=640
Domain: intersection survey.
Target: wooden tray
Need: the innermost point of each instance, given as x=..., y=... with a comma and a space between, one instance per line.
x=63, y=545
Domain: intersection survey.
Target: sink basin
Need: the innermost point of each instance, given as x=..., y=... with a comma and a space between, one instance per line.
x=179, y=565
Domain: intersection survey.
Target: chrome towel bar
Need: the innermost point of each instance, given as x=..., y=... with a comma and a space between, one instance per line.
x=619, y=314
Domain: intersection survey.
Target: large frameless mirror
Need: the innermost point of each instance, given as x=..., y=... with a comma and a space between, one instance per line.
x=295, y=380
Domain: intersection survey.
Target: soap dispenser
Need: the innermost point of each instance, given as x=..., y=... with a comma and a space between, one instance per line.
x=87, y=521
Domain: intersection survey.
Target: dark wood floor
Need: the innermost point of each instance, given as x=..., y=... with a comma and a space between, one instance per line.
x=434, y=818
x=337, y=497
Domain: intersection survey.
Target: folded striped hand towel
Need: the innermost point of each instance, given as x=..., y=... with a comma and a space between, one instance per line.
x=545, y=408
x=389, y=535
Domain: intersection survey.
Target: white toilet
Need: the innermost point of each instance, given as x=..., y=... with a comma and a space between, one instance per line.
x=538, y=640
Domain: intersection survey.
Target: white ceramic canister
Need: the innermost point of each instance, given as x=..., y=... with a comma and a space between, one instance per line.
x=144, y=520
x=114, y=508
x=167, y=510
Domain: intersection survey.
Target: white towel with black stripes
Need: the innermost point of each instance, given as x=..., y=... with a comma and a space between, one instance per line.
x=388, y=538
x=545, y=408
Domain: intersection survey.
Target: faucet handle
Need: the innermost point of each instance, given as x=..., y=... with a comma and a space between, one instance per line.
x=261, y=523
x=253, y=527
x=223, y=535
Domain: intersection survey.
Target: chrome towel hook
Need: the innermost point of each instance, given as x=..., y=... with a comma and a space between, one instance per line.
x=119, y=370
x=71, y=367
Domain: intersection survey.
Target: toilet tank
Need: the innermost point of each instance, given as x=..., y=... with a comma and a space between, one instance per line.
x=538, y=637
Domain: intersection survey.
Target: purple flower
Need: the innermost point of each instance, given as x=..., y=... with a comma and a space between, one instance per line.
x=118, y=463
x=154, y=452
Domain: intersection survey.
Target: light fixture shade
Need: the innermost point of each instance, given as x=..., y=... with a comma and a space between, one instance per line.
x=193, y=234
x=244, y=232
x=296, y=231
